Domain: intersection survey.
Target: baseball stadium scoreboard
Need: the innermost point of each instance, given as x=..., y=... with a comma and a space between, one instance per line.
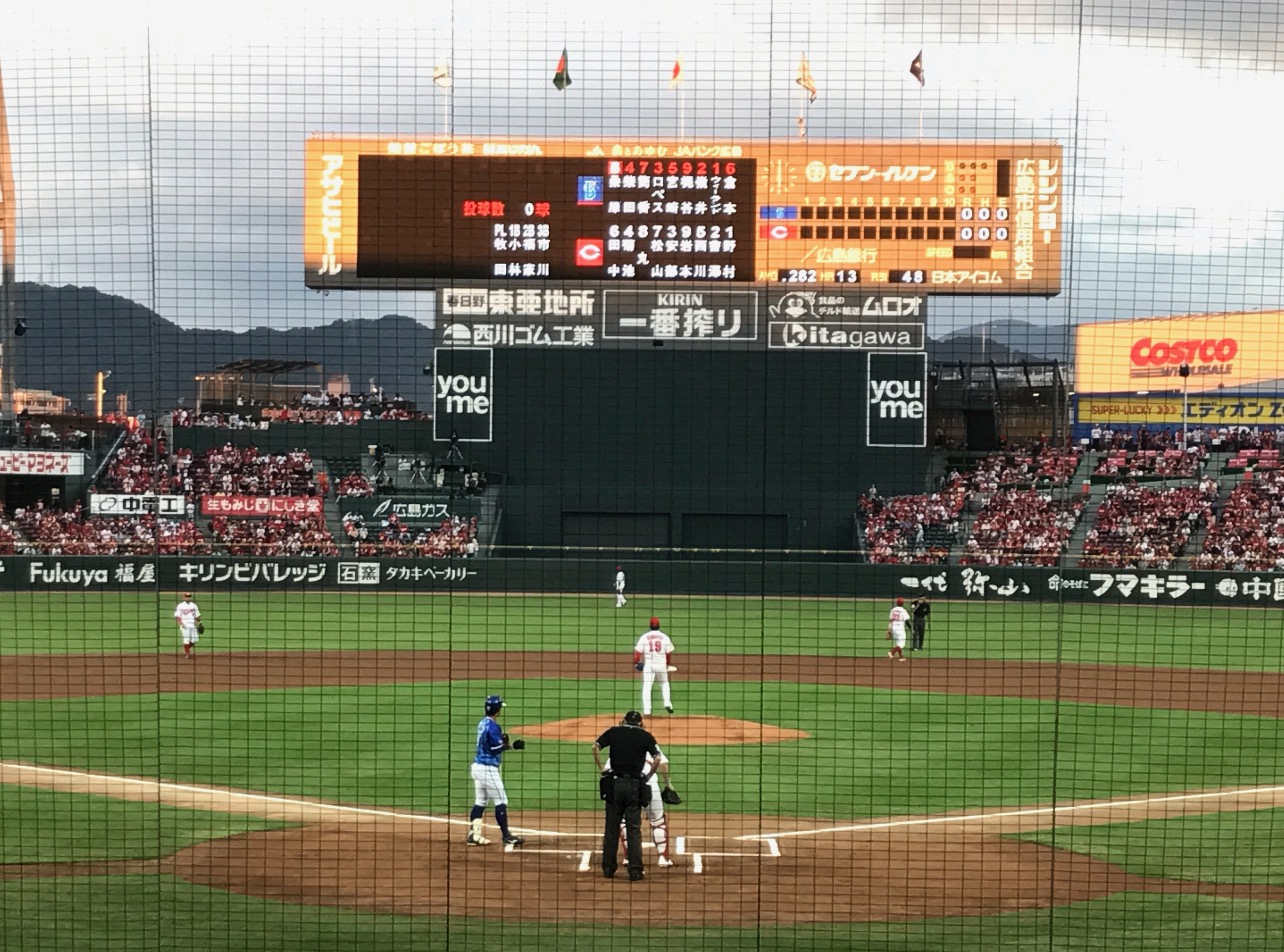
x=938, y=217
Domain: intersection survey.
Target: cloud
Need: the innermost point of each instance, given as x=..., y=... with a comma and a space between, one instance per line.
x=161, y=157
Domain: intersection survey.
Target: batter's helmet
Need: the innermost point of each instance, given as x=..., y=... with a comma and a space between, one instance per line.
x=655, y=623
x=900, y=601
x=493, y=704
x=633, y=718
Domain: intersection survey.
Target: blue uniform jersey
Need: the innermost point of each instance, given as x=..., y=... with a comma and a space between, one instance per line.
x=489, y=742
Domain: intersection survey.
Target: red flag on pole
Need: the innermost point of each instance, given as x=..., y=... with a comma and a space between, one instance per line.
x=678, y=74
x=562, y=77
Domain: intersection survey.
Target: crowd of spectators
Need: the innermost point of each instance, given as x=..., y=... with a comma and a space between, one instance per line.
x=924, y=527
x=69, y=532
x=1140, y=527
x=1247, y=534
x=1043, y=465
x=453, y=536
x=321, y=408
x=1209, y=438
x=228, y=421
x=1021, y=527
x=1171, y=463
x=233, y=470
x=916, y=528
x=138, y=465
x=274, y=535
x=7, y=536
x=354, y=484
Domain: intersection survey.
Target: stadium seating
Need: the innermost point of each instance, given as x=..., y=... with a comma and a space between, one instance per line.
x=1247, y=534
x=274, y=535
x=914, y=528
x=67, y=532
x=1139, y=527
x=1021, y=527
x=1168, y=464
x=454, y=536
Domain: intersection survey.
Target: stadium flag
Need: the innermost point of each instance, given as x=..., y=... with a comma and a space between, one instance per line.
x=916, y=69
x=805, y=79
x=678, y=75
x=441, y=76
x=562, y=77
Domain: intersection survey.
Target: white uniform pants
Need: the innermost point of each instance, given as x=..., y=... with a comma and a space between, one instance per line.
x=190, y=635
x=488, y=785
x=649, y=677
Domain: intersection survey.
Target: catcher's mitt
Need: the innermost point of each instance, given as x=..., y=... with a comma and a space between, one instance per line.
x=670, y=796
x=200, y=629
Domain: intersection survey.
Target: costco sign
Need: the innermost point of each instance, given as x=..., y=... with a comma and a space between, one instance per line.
x=1221, y=350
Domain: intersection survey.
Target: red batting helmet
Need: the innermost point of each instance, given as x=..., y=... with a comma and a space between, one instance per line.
x=900, y=601
x=655, y=623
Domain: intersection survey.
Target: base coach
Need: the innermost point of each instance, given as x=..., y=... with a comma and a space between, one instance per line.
x=625, y=790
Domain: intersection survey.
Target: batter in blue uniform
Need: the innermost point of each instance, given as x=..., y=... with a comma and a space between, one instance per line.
x=487, y=783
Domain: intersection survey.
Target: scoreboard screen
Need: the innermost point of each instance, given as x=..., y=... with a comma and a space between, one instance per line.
x=939, y=217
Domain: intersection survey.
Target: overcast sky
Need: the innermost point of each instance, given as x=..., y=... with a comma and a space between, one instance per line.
x=159, y=148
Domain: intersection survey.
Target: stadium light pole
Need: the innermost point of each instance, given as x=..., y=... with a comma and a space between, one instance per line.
x=100, y=389
x=1184, y=370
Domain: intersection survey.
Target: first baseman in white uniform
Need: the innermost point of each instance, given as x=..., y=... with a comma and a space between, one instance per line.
x=651, y=656
x=896, y=622
x=188, y=618
x=619, y=587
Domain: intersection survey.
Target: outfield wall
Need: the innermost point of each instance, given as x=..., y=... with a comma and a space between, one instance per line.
x=750, y=579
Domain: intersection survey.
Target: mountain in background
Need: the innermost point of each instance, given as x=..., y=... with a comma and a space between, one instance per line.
x=1008, y=341
x=73, y=333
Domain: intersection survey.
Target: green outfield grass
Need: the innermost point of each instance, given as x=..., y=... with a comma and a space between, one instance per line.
x=127, y=913
x=870, y=753
x=1161, y=635
x=1245, y=847
x=47, y=826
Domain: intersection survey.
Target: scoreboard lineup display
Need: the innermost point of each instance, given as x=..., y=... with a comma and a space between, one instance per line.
x=942, y=217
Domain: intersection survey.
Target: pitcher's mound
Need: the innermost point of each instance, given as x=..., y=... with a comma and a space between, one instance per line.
x=667, y=728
